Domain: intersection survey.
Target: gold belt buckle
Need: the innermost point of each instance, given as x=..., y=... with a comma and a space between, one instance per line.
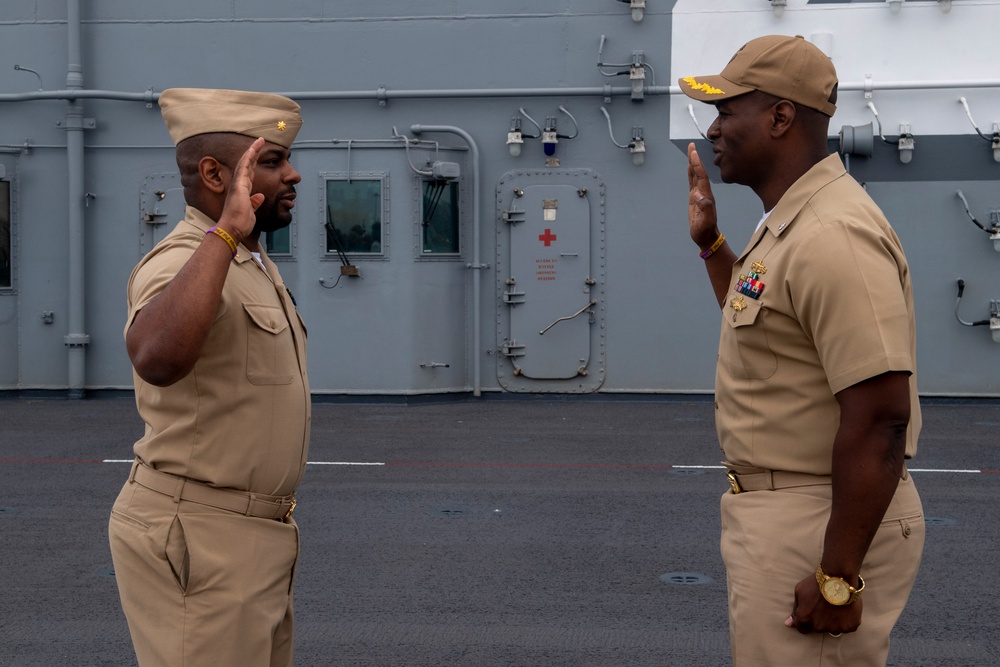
x=734, y=483
x=288, y=514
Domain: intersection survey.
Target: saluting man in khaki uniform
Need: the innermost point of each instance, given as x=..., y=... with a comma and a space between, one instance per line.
x=816, y=398
x=202, y=535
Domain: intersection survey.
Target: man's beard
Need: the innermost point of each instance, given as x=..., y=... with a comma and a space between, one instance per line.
x=270, y=218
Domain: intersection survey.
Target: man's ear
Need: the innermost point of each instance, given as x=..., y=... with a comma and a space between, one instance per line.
x=782, y=118
x=214, y=175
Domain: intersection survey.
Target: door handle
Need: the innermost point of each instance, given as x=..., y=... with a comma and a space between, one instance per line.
x=568, y=317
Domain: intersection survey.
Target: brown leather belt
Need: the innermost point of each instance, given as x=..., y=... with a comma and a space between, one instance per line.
x=279, y=508
x=744, y=478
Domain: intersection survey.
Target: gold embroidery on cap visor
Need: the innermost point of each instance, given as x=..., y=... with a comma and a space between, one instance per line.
x=703, y=87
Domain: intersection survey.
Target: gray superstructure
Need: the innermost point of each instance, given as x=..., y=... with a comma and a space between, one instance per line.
x=569, y=273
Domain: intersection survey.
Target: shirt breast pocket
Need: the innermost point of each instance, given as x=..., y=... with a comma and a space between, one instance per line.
x=271, y=357
x=745, y=350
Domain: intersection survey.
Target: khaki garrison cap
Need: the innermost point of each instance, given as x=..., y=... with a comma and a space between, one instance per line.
x=192, y=111
x=787, y=67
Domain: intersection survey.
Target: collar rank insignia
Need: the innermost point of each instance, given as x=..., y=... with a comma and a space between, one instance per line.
x=749, y=285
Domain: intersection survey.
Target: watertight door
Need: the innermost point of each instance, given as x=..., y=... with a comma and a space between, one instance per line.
x=549, y=292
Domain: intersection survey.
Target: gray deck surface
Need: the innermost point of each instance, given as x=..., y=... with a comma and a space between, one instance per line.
x=500, y=532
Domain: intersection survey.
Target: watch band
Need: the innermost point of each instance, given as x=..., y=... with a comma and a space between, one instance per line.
x=836, y=590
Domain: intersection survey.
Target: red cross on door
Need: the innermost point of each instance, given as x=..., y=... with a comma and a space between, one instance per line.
x=547, y=238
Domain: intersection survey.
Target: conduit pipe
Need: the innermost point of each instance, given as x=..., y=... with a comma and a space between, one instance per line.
x=475, y=266
x=383, y=94
x=76, y=339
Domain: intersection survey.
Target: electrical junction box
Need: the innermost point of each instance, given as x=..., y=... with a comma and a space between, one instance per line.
x=445, y=171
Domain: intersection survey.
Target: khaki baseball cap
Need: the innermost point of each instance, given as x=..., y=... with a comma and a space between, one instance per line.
x=787, y=67
x=191, y=111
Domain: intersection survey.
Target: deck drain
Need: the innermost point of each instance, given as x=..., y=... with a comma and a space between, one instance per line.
x=685, y=578
x=938, y=521
x=451, y=512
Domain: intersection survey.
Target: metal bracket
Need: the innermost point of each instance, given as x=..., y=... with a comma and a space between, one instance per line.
x=512, y=349
x=513, y=298
x=637, y=76
x=513, y=217
x=76, y=123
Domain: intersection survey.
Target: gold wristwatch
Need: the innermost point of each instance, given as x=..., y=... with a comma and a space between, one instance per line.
x=835, y=590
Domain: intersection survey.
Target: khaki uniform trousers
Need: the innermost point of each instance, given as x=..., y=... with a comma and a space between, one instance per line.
x=771, y=540
x=203, y=586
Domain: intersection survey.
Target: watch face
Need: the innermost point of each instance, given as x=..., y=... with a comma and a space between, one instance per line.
x=836, y=591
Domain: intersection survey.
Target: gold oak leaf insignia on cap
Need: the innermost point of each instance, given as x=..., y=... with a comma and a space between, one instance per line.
x=703, y=87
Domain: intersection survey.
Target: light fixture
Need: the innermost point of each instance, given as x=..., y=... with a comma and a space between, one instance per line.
x=638, y=8
x=637, y=147
x=549, y=136
x=514, y=138
x=994, y=140
x=994, y=228
x=906, y=143
x=993, y=322
x=778, y=6
x=895, y=5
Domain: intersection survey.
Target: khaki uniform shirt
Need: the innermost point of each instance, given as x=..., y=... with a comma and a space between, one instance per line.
x=240, y=419
x=820, y=300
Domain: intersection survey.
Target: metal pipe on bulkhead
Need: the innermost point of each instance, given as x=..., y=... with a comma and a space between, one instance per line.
x=76, y=338
x=475, y=265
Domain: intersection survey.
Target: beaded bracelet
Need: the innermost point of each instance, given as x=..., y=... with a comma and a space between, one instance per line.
x=715, y=246
x=225, y=236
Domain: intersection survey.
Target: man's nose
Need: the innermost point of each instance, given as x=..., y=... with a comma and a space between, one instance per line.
x=713, y=130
